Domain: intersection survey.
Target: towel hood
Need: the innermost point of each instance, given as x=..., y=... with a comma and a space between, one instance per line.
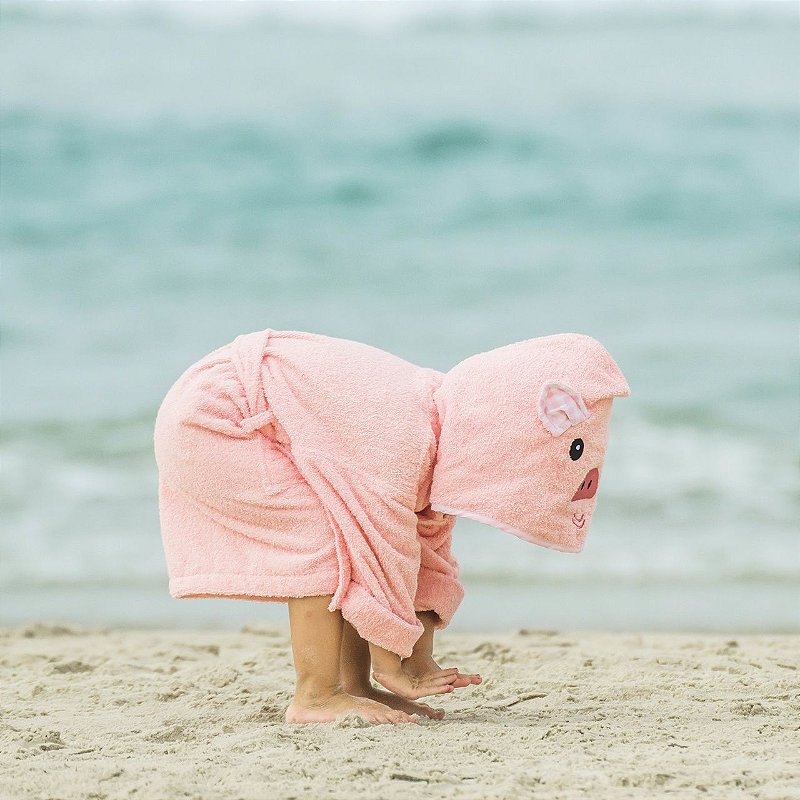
x=524, y=430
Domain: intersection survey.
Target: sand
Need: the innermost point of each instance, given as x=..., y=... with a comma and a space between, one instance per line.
x=166, y=714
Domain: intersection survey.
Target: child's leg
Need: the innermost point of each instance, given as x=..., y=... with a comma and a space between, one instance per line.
x=355, y=662
x=355, y=668
x=317, y=646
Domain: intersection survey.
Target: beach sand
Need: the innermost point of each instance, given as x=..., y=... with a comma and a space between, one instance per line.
x=166, y=714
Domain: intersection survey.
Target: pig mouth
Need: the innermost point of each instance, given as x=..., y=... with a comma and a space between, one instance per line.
x=578, y=521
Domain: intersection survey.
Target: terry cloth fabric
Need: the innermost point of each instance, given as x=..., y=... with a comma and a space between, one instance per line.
x=524, y=430
x=294, y=464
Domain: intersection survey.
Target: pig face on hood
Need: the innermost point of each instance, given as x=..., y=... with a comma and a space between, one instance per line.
x=524, y=430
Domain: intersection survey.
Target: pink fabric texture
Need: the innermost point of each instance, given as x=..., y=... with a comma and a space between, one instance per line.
x=295, y=464
x=524, y=430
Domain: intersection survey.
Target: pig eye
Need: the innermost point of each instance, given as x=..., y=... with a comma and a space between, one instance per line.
x=576, y=449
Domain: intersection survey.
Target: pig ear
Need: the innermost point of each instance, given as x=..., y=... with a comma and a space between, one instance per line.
x=560, y=407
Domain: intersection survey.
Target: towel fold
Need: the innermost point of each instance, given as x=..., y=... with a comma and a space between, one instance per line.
x=524, y=430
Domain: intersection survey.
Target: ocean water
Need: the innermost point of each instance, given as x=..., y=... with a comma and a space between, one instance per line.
x=435, y=180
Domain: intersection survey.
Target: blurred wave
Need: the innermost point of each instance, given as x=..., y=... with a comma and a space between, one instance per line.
x=512, y=16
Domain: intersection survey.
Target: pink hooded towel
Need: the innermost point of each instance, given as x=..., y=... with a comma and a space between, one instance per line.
x=294, y=464
x=524, y=430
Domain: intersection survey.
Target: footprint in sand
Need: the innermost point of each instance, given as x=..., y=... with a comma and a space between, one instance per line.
x=72, y=666
x=220, y=677
x=42, y=741
x=752, y=709
x=491, y=651
x=205, y=648
x=173, y=694
x=38, y=629
x=174, y=733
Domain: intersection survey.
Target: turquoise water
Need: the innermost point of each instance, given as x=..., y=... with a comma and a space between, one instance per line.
x=436, y=181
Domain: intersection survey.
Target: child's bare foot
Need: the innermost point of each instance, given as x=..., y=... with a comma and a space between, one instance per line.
x=420, y=666
x=328, y=708
x=399, y=703
x=413, y=687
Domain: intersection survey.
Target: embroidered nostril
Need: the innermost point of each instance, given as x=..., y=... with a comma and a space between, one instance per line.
x=588, y=487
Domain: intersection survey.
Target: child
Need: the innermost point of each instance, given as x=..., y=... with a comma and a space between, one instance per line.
x=328, y=474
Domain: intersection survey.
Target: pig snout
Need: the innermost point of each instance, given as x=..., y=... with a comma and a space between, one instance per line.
x=588, y=488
